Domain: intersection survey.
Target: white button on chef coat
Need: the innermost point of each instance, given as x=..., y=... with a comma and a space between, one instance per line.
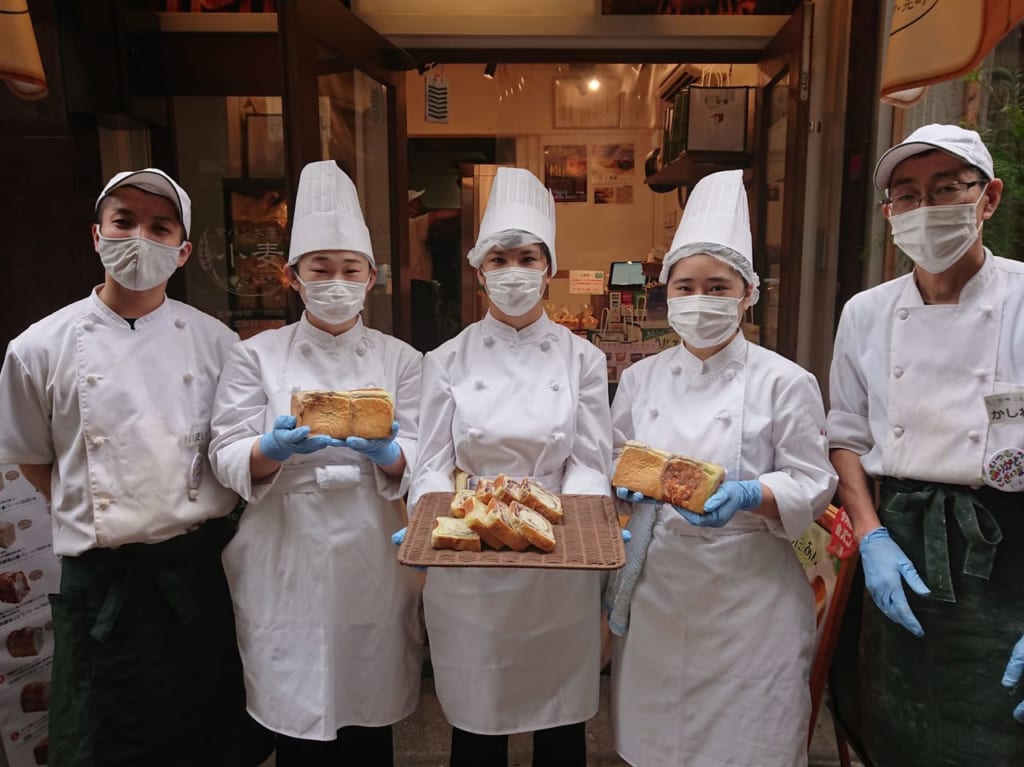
x=982, y=335
x=328, y=624
x=530, y=637
x=84, y=372
x=761, y=417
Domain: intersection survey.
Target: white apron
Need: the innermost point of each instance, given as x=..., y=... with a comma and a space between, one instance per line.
x=328, y=624
x=517, y=650
x=714, y=668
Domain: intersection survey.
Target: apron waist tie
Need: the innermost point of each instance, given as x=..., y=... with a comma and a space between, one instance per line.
x=978, y=527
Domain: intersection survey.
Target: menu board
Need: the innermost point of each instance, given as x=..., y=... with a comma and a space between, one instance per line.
x=29, y=572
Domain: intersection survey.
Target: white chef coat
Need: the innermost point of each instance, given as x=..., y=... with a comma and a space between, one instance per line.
x=122, y=414
x=515, y=650
x=328, y=621
x=715, y=667
x=908, y=380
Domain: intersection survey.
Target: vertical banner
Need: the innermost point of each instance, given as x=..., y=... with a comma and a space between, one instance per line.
x=565, y=172
x=29, y=572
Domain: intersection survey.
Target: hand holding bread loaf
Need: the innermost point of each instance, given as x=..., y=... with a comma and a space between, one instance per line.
x=683, y=482
x=366, y=413
x=696, y=489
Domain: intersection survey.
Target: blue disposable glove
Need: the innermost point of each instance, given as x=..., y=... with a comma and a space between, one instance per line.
x=397, y=538
x=884, y=563
x=382, y=452
x=284, y=440
x=1012, y=675
x=723, y=504
x=625, y=494
x=626, y=535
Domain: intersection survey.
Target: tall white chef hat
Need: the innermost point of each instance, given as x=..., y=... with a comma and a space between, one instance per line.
x=519, y=203
x=716, y=222
x=154, y=181
x=327, y=215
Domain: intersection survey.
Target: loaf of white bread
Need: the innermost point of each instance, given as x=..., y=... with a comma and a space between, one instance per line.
x=366, y=413
x=665, y=477
x=502, y=513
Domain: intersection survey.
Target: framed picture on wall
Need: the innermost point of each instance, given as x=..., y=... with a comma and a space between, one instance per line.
x=264, y=146
x=579, y=105
x=256, y=250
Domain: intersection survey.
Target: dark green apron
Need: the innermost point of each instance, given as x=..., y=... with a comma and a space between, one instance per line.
x=937, y=701
x=146, y=668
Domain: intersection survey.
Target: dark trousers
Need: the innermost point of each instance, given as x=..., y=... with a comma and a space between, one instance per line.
x=355, y=746
x=564, y=746
x=145, y=667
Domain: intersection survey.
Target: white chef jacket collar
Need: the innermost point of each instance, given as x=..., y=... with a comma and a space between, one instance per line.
x=733, y=354
x=110, y=317
x=533, y=332
x=975, y=287
x=351, y=338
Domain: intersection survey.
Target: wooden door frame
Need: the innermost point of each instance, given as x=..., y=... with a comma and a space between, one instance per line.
x=301, y=25
x=785, y=53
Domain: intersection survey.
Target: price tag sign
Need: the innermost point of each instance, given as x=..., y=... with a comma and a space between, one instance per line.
x=585, y=281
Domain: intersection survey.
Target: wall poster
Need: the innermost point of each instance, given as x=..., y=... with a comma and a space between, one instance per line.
x=256, y=251
x=29, y=572
x=612, y=169
x=565, y=172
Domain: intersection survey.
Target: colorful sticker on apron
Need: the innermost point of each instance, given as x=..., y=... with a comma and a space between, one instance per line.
x=1004, y=470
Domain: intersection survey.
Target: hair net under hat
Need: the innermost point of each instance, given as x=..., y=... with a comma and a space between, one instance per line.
x=154, y=181
x=327, y=215
x=519, y=204
x=963, y=144
x=716, y=222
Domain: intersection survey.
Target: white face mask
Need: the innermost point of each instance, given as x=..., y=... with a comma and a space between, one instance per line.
x=137, y=263
x=513, y=289
x=334, y=301
x=937, y=236
x=703, y=321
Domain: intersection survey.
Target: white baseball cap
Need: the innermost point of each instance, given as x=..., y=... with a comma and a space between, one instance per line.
x=963, y=144
x=414, y=194
x=154, y=181
x=518, y=202
x=327, y=215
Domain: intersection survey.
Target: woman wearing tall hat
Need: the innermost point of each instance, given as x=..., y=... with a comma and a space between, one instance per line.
x=327, y=619
x=515, y=650
x=714, y=666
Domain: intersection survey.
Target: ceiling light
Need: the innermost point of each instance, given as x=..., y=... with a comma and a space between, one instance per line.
x=593, y=84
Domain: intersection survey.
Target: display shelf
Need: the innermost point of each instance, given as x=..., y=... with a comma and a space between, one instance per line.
x=690, y=167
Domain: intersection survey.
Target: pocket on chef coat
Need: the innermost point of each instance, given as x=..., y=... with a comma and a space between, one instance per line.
x=1005, y=410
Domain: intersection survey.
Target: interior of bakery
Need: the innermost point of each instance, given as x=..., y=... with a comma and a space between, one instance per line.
x=608, y=138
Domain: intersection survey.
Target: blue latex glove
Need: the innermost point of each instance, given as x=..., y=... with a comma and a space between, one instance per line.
x=1012, y=675
x=625, y=494
x=723, y=504
x=284, y=440
x=884, y=563
x=382, y=452
x=398, y=537
x=626, y=535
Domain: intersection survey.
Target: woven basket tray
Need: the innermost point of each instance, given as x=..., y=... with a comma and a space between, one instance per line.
x=589, y=538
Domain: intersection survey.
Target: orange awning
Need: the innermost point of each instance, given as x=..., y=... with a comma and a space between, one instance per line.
x=20, y=64
x=935, y=40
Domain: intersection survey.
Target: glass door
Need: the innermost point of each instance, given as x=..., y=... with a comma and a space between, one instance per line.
x=344, y=99
x=782, y=166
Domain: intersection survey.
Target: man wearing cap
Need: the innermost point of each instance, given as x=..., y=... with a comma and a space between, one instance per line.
x=328, y=620
x=106, y=406
x=927, y=398
x=714, y=667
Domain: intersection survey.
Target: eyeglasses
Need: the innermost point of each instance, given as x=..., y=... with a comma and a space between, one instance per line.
x=950, y=193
